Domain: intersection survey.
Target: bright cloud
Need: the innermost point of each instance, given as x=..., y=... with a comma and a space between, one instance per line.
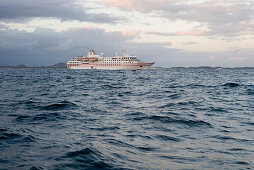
x=130, y=33
x=226, y=18
x=195, y=32
x=238, y=58
x=211, y=57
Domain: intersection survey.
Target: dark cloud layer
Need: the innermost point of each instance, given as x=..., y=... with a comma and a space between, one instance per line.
x=46, y=47
x=62, y=9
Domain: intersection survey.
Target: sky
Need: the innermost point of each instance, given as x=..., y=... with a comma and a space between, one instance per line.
x=172, y=33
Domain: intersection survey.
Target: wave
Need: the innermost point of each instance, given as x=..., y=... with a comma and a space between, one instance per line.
x=88, y=158
x=134, y=113
x=146, y=149
x=36, y=168
x=249, y=123
x=2, y=130
x=174, y=96
x=237, y=149
x=126, y=145
x=113, y=86
x=179, y=159
x=189, y=86
x=40, y=117
x=139, y=136
x=83, y=152
x=3, y=161
x=48, y=117
x=241, y=163
x=167, y=105
x=217, y=109
x=110, y=128
x=107, y=86
x=231, y=85
x=226, y=138
x=30, y=102
x=168, y=138
x=62, y=105
x=186, y=103
x=15, y=138
x=119, y=143
x=181, y=103
x=59, y=106
x=166, y=119
x=9, y=136
x=250, y=91
x=69, y=77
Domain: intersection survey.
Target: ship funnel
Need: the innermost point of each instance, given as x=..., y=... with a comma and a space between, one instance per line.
x=91, y=53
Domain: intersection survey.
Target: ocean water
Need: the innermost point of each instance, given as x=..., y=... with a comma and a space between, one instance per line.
x=153, y=119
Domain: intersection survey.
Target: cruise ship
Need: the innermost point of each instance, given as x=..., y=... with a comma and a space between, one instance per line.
x=95, y=61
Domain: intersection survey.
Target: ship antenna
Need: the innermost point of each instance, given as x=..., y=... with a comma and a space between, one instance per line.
x=88, y=48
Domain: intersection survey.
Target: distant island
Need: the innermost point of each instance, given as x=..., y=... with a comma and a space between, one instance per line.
x=58, y=65
x=200, y=67
x=64, y=65
x=209, y=67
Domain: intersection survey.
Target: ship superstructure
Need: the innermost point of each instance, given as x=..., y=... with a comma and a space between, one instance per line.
x=94, y=61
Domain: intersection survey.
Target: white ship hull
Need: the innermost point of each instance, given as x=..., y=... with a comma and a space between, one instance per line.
x=136, y=66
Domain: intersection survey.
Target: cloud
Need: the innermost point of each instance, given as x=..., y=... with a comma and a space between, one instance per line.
x=130, y=33
x=194, y=32
x=211, y=57
x=62, y=9
x=2, y=26
x=238, y=58
x=222, y=18
x=46, y=46
x=188, y=43
x=146, y=5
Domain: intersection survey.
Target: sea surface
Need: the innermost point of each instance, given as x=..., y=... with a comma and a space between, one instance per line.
x=152, y=119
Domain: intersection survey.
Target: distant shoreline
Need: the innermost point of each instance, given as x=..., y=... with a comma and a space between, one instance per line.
x=201, y=67
x=58, y=65
x=151, y=68
x=208, y=67
x=29, y=67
